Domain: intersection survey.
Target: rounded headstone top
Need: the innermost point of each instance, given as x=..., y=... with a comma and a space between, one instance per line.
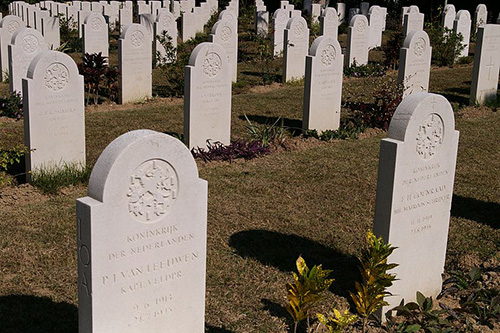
x=327, y=48
x=359, y=23
x=96, y=21
x=136, y=33
x=450, y=8
x=29, y=40
x=329, y=13
x=11, y=23
x=375, y=10
x=418, y=41
x=139, y=163
x=413, y=9
x=463, y=14
x=425, y=120
x=298, y=26
x=165, y=19
x=481, y=8
x=56, y=69
x=213, y=59
x=224, y=30
x=228, y=14
x=281, y=15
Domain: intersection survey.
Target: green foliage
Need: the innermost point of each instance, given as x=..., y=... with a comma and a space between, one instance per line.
x=170, y=54
x=51, y=180
x=70, y=42
x=375, y=280
x=484, y=305
x=392, y=49
x=446, y=44
x=264, y=59
x=100, y=79
x=337, y=322
x=12, y=106
x=306, y=290
x=465, y=60
x=267, y=133
x=8, y=158
x=347, y=130
x=370, y=69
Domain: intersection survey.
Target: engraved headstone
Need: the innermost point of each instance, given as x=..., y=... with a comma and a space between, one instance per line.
x=296, y=40
x=415, y=62
x=376, y=23
x=225, y=34
x=413, y=21
x=82, y=14
x=125, y=17
x=147, y=20
x=165, y=24
x=414, y=192
x=323, y=85
x=207, y=96
x=341, y=9
x=8, y=26
x=358, y=42
x=134, y=59
x=462, y=25
x=280, y=19
x=480, y=16
x=95, y=35
x=484, y=84
x=329, y=22
x=54, y=118
x=141, y=236
x=26, y=43
x=449, y=14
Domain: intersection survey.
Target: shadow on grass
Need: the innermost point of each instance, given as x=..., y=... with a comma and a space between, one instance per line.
x=460, y=91
x=279, y=311
x=27, y=314
x=282, y=250
x=453, y=98
x=476, y=210
x=293, y=124
x=213, y=329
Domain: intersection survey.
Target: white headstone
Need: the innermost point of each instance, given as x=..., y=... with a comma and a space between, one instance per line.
x=316, y=13
x=225, y=34
x=125, y=17
x=147, y=20
x=82, y=14
x=415, y=62
x=329, y=22
x=462, y=25
x=358, y=42
x=95, y=35
x=85, y=5
x=165, y=24
x=384, y=17
x=480, y=16
x=141, y=239
x=207, y=96
x=323, y=85
x=414, y=192
x=54, y=112
x=352, y=12
x=135, y=62
x=262, y=23
x=376, y=23
x=413, y=21
x=296, y=40
x=449, y=14
x=8, y=26
x=280, y=19
x=189, y=27
x=26, y=43
x=341, y=9
x=484, y=84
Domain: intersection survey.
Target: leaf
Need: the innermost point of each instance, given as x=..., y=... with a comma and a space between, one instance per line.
x=412, y=328
x=420, y=299
x=475, y=274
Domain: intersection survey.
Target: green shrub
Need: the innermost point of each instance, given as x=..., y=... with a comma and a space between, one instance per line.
x=100, y=79
x=392, y=49
x=12, y=106
x=370, y=69
x=8, y=158
x=267, y=133
x=70, y=42
x=446, y=44
x=51, y=180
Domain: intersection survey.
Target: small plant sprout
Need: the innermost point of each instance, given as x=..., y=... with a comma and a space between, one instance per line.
x=337, y=321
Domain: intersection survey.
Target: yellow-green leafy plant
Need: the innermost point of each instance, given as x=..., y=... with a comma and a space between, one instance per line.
x=337, y=321
x=375, y=280
x=307, y=289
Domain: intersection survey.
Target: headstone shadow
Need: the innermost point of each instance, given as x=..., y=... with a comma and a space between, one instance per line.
x=277, y=310
x=295, y=124
x=33, y=314
x=476, y=210
x=282, y=250
x=213, y=329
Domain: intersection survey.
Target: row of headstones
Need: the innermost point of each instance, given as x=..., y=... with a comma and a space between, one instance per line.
x=142, y=229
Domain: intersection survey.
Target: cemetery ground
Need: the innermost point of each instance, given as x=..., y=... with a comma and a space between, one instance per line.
x=307, y=197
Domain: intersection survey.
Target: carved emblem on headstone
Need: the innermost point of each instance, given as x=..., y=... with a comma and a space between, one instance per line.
x=419, y=48
x=360, y=26
x=281, y=17
x=328, y=55
x=29, y=44
x=137, y=38
x=56, y=77
x=13, y=26
x=96, y=23
x=225, y=33
x=299, y=28
x=430, y=136
x=212, y=64
x=152, y=192
x=166, y=22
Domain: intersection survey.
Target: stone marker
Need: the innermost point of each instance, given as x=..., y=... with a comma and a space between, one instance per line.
x=225, y=34
x=364, y=8
x=341, y=9
x=141, y=235
x=165, y=24
x=462, y=25
x=413, y=21
x=26, y=43
x=415, y=62
x=8, y=26
x=82, y=14
x=449, y=14
x=95, y=35
x=262, y=23
x=125, y=17
x=414, y=192
x=329, y=22
x=357, y=41
x=207, y=96
x=54, y=118
x=486, y=64
x=480, y=16
x=280, y=20
x=323, y=85
x=376, y=23
x=296, y=40
x=134, y=59
x=147, y=20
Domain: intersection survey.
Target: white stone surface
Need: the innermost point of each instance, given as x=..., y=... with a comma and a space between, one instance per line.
x=341, y=11
x=462, y=25
x=165, y=22
x=384, y=17
x=413, y=21
x=323, y=85
x=189, y=27
x=26, y=43
x=415, y=62
x=376, y=23
x=296, y=40
x=280, y=19
x=125, y=17
x=95, y=35
x=82, y=14
x=358, y=34
x=329, y=22
x=316, y=13
x=207, y=96
x=414, y=192
x=141, y=235
x=147, y=20
x=135, y=62
x=480, y=16
x=262, y=23
x=8, y=26
x=54, y=112
x=225, y=34
x=486, y=64
x=449, y=14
